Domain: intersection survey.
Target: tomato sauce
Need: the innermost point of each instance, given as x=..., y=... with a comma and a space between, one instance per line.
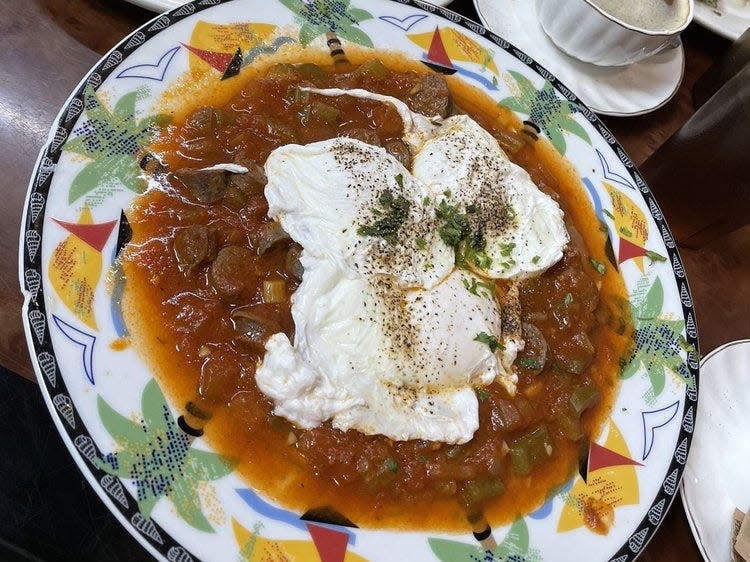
x=198, y=277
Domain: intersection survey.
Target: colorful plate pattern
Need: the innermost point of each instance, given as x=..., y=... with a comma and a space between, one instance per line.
x=184, y=502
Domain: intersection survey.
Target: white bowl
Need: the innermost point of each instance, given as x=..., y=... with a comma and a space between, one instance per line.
x=584, y=31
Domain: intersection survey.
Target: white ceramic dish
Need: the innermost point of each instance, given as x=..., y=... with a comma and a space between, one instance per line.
x=573, y=23
x=716, y=479
x=620, y=91
x=729, y=20
x=157, y=5
x=186, y=502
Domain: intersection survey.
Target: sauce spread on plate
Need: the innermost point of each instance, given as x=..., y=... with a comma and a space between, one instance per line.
x=210, y=278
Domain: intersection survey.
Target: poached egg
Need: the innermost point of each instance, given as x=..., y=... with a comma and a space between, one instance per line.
x=391, y=337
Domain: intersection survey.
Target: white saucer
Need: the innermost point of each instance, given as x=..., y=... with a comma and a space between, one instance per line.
x=716, y=479
x=157, y=5
x=620, y=91
x=728, y=20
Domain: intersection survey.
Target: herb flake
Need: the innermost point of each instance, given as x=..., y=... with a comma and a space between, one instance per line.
x=455, y=226
x=479, y=288
x=489, y=340
x=392, y=215
x=531, y=363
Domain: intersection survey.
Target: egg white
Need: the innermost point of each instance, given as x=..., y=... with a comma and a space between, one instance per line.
x=387, y=334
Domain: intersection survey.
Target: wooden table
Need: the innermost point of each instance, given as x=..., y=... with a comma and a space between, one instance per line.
x=48, y=45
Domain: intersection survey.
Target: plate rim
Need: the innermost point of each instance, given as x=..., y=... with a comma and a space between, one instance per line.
x=36, y=346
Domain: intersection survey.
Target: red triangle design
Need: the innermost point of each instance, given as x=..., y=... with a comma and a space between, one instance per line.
x=628, y=250
x=437, y=53
x=95, y=235
x=601, y=457
x=330, y=543
x=219, y=61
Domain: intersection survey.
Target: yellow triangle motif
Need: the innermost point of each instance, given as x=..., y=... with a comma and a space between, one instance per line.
x=74, y=271
x=607, y=489
x=254, y=548
x=630, y=224
x=458, y=46
x=225, y=39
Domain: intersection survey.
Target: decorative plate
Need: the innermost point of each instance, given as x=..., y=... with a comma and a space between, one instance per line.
x=182, y=501
x=715, y=482
x=728, y=19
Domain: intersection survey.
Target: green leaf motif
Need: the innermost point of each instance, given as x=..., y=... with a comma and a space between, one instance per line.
x=309, y=32
x=317, y=17
x=513, y=548
x=659, y=341
x=554, y=116
x=356, y=35
x=159, y=458
x=111, y=141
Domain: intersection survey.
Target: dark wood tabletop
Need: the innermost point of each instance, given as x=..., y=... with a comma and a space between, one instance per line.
x=48, y=45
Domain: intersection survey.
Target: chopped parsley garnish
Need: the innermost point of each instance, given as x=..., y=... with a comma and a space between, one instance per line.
x=489, y=341
x=479, y=288
x=394, y=212
x=428, y=266
x=597, y=265
x=471, y=252
x=507, y=249
x=391, y=465
x=426, y=201
x=535, y=259
x=456, y=225
x=421, y=244
x=482, y=394
x=456, y=232
x=481, y=260
x=400, y=180
x=447, y=193
x=531, y=363
x=472, y=208
x=568, y=300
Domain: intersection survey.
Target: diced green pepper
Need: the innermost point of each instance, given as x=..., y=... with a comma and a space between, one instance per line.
x=309, y=71
x=295, y=95
x=477, y=491
x=372, y=69
x=282, y=70
x=583, y=397
x=529, y=450
x=569, y=423
x=320, y=113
